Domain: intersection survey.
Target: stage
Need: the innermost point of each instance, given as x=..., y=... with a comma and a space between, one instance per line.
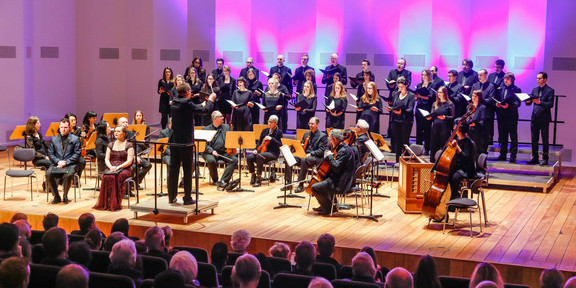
x=527, y=231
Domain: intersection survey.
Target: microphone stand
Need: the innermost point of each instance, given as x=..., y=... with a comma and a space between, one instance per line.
x=239, y=188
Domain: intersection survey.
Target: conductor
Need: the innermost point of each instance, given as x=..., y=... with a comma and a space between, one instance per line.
x=182, y=111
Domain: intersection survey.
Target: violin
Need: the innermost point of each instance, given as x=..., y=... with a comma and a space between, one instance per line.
x=231, y=151
x=264, y=146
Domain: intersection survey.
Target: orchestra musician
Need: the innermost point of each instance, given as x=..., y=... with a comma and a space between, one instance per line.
x=300, y=74
x=241, y=114
x=362, y=136
x=465, y=160
x=182, y=111
x=35, y=140
x=424, y=102
x=216, y=150
x=507, y=112
x=488, y=92
x=227, y=86
x=199, y=67
x=139, y=119
x=268, y=149
x=218, y=72
x=249, y=65
x=333, y=68
x=102, y=140
x=477, y=124
x=402, y=111
x=315, y=142
x=64, y=152
x=340, y=176
x=371, y=107
x=303, y=115
x=441, y=118
x=437, y=82
x=467, y=77
x=89, y=123
x=455, y=94
x=543, y=98
x=165, y=84
x=255, y=86
x=360, y=76
x=166, y=133
x=338, y=97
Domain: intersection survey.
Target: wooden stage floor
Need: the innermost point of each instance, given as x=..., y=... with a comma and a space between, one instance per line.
x=527, y=231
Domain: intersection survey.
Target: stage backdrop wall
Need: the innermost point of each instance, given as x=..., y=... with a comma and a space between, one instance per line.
x=62, y=55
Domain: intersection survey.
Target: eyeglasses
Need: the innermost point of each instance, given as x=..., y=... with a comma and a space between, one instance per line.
x=270, y=122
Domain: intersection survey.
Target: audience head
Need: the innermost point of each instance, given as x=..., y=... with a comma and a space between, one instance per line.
x=426, y=274
x=23, y=228
x=399, y=278
x=486, y=271
x=487, y=284
x=25, y=247
x=551, y=278
x=112, y=239
x=281, y=250
x=87, y=222
x=186, y=264
x=18, y=216
x=121, y=225
x=363, y=265
x=168, y=235
x=154, y=238
x=320, y=282
x=123, y=254
x=304, y=255
x=326, y=243
x=372, y=254
x=94, y=239
x=240, y=241
x=169, y=279
x=72, y=276
x=8, y=239
x=50, y=220
x=571, y=283
x=55, y=243
x=79, y=252
x=140, y=246
x=14, y=273
x=246, y=271
x=219, y=254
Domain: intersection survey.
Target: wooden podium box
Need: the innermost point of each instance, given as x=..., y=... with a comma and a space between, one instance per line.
x=414, y=180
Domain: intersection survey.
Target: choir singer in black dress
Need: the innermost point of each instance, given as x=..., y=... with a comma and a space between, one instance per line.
x=304, y=114
x=402, y=118
x=442, y=117
x=164, y=86
x=256, y=87
x=338, y=97
x=424, y=102
x=241, y=116
x=478, y=132
x=371, y=107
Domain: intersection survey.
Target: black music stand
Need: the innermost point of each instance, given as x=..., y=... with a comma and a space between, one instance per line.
x=382, y=146
x=200, y=135
x=290, y=161
x=239, y=140
x=378, y=156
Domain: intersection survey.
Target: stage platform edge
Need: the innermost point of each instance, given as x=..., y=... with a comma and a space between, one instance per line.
x=177, y=209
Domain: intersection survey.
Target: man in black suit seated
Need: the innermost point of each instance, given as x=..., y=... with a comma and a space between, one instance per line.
x=154, y=239
x=326, y=243
x=315, y=142
x=304, y=258
x=55, y=242
x=467, y=77
x=64, y=152
x=249, y=64
x=216, y=150
x=465, y=160
x=543, y=98
x=340, y=177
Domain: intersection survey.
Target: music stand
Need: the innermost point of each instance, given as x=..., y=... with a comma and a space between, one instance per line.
x=290, y=161
x=53, y=129
x=300, y=133
x=297, y=150
x=379, y=140
x=18, y=133
x=378, y=156
x=258, y=128
x=239, y=140
x=139, y=130
x=159, y=149
x=112, y=118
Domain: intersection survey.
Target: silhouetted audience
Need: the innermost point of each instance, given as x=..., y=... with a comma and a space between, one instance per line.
x=304, y=258
x=122, y=225
x=24, y=229
x=94, y=239
x=18, y=216
x=382, y=271
x=571, y=283
x=399, y=278
x=154, y=239
x=487, y=284
x=551, y=278
x=320, y=282
x=240, y=241
x=485, y=271
x=50, y=220
x=426, y=274
x=55, y=242
x=280, y=250
x=112, y=239
x=14, y=273
x=87, y=222
x=9, y=241
x=168, y=235
x=363, y=269
x=246, y=272
x=219, y=255
x=169, y=279
x=123, y=260
x=186, y=264
x=326, y=244
x=79, y=252
x=72, y=276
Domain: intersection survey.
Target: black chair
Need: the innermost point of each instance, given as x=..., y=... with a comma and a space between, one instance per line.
x=152, y=266
x=98, y=280
x=339, y=283
x=232, y=256
x=264, y=281
x=207, y=275
x=515, y=286
x=36, y=237
x=280, y=265
x=324, y=270
x=100, y=261
x=285, y=280
x=23, y=155
x=38, y=253
x=200, y=254
x=345, y=272
x=467, y=203
x=75, y=238
x=453, y=282
x=43, y=276
x=148, y=283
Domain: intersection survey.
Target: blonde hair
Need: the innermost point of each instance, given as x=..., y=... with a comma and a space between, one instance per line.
x=311, y=91
x=342, y=93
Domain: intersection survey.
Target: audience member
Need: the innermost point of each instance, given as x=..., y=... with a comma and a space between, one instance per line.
x=246, y=272
x=381, y=271
x=79, y=252
x=72, y=276
x=112, y=239
x=219, y=255
x=123, y=260
x=280, y=250
x=169, y=279
x=140, y=246
x=168, y=235
x=320, y=282
x=240, y=241
x=551, y=278
x=122, y=225
x=487, y=284
x=25, y=247
x=186, y=264
x=94, y=239
x=9, y=241
x=154, y=239
x=18, y=216
x=14, y=273
x=50, y=220
x=426, y=274
x=571, y=283
x=486, y=271
x=326, y=243
x=304, y=258
x=24, y=229
x=55, y=242
x=87, y=222
x=399, y=278
x=363, y=269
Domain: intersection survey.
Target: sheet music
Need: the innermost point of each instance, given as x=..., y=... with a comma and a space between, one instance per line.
x=354, y=106
x=354, y=97
x=331, y=106
x=204, y=135
x=260, y=105
x=288, y=156
x=523, y=96
x=265, y=73
x=232, y=103
x=423, y=112
x=467, y=97
x=378, y=155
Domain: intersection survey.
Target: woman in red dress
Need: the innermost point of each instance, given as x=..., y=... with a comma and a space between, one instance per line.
x=119, y=157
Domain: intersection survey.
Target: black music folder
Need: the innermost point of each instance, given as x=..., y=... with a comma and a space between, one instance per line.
x=302, y=104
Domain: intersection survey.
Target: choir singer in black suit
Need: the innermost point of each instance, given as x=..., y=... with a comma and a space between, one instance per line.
x=332, y=69
x=507, y=112
x=339, y=178
x=467, y=77
x=249, y=65
x=64, y=152
x=182, y=111
x=543, y=98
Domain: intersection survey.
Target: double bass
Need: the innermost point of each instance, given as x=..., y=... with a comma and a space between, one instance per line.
x=435, y=198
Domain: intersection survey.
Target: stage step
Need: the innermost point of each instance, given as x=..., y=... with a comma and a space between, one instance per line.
x=521, y=180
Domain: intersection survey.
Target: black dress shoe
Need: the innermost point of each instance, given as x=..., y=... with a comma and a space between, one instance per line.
x=220, y=184
x=65, y=200
x=258, y=182
x=300, y=189
x=324, y=213
x=544, y=163
x=56, y=201
x=286, y=188
x=173, y=201
x=532, y=161
x=512, y=160
x=181, y=185
x=253, y=179
x=132, y=194
x=500, y=158
x=317, y=209
x=189, y=202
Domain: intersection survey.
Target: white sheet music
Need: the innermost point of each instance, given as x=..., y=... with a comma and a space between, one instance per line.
x=523, y=96
x=265, y=73
x=423, y=112
x=232, y=103
x=331, y=106
x=378, y=155
x=260, y=105
x=467, y=97
x=288, y=156
x=353, y=97
x=204, y=135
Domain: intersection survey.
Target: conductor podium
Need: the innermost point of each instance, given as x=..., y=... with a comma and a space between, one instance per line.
x=413, y=182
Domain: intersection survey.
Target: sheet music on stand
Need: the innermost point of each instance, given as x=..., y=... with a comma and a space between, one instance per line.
x=204, y=135
x=288, y=156
x=378, y=155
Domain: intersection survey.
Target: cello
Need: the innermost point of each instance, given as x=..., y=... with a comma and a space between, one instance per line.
x=435, y=198
x=321, y=172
